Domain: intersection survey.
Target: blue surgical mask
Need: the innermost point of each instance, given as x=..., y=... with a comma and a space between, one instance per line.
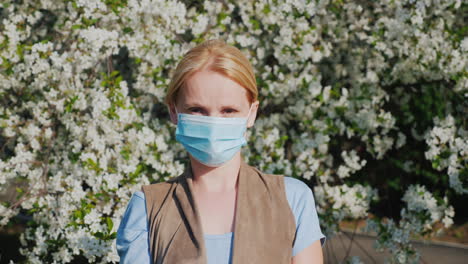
x=209, y=139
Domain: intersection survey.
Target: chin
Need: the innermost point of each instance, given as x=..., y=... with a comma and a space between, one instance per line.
x=194, y=160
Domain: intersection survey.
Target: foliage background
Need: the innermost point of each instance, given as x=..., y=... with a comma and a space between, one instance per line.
x=363, y=100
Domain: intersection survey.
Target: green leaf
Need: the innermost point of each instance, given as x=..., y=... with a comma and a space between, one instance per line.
x=110, y=224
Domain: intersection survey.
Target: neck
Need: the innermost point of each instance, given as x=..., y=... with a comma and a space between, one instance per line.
x=216, y=179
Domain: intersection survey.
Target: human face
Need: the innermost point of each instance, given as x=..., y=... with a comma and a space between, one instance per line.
x=212, y=94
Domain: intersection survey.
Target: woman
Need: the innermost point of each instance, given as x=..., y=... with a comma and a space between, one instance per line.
x=220, y=210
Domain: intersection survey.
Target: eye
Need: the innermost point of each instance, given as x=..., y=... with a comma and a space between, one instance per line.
x=195, y=109
x=230, y=110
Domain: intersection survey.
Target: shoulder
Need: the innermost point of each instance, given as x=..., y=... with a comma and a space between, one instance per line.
x=297, y=192
x=137, y=200
x=268, y=178
x=132, y=239
x=295, y=184
x=156, y=188
x=139, y=195
x=165, y=184
x=135, y=214
x=302, y=203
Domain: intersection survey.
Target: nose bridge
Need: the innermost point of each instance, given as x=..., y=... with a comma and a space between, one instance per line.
x=217, y=112
x=214, y=111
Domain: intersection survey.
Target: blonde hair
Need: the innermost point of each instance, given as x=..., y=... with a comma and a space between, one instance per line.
x=217, y=56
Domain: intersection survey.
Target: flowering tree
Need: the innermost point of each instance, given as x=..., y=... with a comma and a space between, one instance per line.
x=348, y=89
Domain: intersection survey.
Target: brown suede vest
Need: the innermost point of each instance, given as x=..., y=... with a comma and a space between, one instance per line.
x=264, y=227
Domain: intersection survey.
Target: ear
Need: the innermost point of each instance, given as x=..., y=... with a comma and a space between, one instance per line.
x=253, y=114
x=172, y=113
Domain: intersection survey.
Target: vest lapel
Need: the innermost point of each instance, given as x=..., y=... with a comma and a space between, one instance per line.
x=254, y=219
x=189, y=212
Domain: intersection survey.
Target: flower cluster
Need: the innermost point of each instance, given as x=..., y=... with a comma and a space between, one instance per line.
x=421, y=213
x=83, y=124
x=448, y=149
x=343, y=202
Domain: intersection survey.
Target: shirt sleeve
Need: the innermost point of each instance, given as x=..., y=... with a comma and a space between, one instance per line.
x=302, y=203
x=132, y=235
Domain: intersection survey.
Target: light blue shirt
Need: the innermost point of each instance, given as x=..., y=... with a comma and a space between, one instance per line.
x=133, y=242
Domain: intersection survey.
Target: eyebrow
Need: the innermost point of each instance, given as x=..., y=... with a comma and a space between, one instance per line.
x=189, y=105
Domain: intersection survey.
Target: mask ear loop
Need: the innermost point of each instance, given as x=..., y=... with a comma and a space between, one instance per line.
x=247, y=121
x=248, y=115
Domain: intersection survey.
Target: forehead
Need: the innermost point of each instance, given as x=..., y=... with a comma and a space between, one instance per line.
x=210, y=88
